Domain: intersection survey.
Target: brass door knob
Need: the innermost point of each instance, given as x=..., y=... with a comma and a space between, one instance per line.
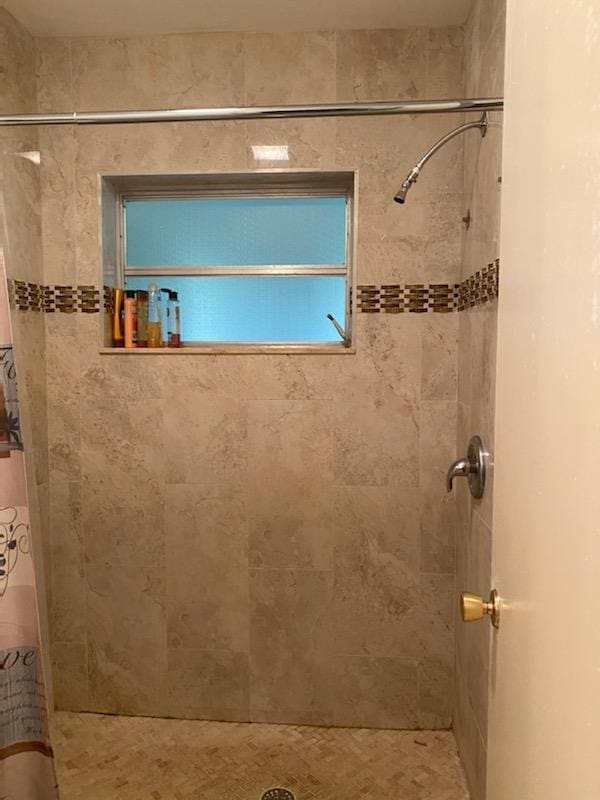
x=473, y=607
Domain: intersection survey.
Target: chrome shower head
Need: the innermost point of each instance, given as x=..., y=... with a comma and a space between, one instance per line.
x=412, y=176
x=400, y=196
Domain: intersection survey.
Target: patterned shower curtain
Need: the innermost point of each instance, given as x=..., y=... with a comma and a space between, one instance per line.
x=26, y=763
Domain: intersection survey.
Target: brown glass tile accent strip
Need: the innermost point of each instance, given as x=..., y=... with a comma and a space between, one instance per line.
x=368, y=299
x=26, y=296
x=480, y=287
x=389, y=298
x=418, y=298
x=88, y=299
x=108, y=298
x=439, y=298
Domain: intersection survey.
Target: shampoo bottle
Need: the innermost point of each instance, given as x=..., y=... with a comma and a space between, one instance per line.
x=174, y=320
x=131, y=320
x=118, y=318
x=154, y=327
x=142, y=318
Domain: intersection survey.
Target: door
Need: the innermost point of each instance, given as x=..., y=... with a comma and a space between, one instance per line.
x=544, y=730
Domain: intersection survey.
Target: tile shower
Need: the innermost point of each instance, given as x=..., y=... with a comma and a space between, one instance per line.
x=262, y=538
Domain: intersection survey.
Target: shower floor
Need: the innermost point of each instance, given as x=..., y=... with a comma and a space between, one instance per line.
x=139, y=758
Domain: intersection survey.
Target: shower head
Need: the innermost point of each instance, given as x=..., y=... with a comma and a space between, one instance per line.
x=412, y=176
x=400, y=196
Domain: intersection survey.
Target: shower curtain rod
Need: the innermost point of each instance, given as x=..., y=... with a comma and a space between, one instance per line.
x=258, y=112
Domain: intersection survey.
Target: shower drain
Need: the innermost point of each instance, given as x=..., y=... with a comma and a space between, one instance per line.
x=278, y=794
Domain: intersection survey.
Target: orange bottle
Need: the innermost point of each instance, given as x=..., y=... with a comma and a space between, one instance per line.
x=117, y=317
x=130, y=319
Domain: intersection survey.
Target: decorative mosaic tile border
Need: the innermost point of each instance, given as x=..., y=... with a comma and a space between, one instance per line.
x=389, y=298
x=479, y=288
x=25, y=296
x=411, y=298
x=439, y=298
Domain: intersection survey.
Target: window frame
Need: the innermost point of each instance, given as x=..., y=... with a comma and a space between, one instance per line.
x=263, y=184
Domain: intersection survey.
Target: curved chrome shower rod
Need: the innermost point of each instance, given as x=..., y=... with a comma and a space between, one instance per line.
x=386, y=107
x=412, y=176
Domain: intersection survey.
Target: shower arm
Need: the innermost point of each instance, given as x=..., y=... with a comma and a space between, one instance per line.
x=481, y=123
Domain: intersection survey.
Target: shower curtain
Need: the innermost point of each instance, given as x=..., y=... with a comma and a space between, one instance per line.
x=26, y=763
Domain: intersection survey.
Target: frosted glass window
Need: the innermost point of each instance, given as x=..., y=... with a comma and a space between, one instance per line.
x=250, y=269
x=236, y=231
x=256, y=308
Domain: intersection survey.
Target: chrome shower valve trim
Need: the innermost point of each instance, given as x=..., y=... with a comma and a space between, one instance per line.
x=473, y=467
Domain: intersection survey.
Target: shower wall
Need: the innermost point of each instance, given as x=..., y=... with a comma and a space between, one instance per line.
x=484, y=66
x=21, y=245
x=256, y=537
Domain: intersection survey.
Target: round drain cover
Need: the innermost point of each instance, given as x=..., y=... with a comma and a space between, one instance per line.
x=278, y=794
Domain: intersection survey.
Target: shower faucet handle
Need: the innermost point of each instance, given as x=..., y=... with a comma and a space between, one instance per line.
x=459, y=469
x=472, y=467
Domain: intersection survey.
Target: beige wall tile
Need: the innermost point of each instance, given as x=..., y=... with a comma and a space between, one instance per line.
x=21, y=208
x=310, y=142
x=208, y=684
x=127, y=534
x=54, y=76
x=438, y=519
x=376, y=609
x=471, y=747
x=271, y=68
x=17, y=65
x=292, y=526
x=437, y=608
x=62, y=370
x=389, y=358
x=439, y=365
x=484, y=56
x=374, y=527
x=108, y=588
x=376, y=442
x=125, y=681
x=162, y=71
x=445, y=71
x=209, y=447
x=382, y=64
x=206, y=532
x=436, y=677
x=290, y=655
x=127, y=633
x=289, y=441
x=450, y=38
x=69, y=676
x=68, y=619
x=375, y=692
x=437, y=441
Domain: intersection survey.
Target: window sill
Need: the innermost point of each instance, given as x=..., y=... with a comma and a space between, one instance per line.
x=223, y=350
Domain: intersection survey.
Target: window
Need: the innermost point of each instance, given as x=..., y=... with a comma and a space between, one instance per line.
x=266, y=264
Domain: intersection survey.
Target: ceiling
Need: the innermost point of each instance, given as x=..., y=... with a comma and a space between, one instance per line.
x=138, y=17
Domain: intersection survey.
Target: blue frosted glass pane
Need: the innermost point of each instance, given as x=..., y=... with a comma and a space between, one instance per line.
x=236, y=231
x=256, y=308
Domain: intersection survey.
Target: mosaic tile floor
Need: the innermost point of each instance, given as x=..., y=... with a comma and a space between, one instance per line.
x=135, y=758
